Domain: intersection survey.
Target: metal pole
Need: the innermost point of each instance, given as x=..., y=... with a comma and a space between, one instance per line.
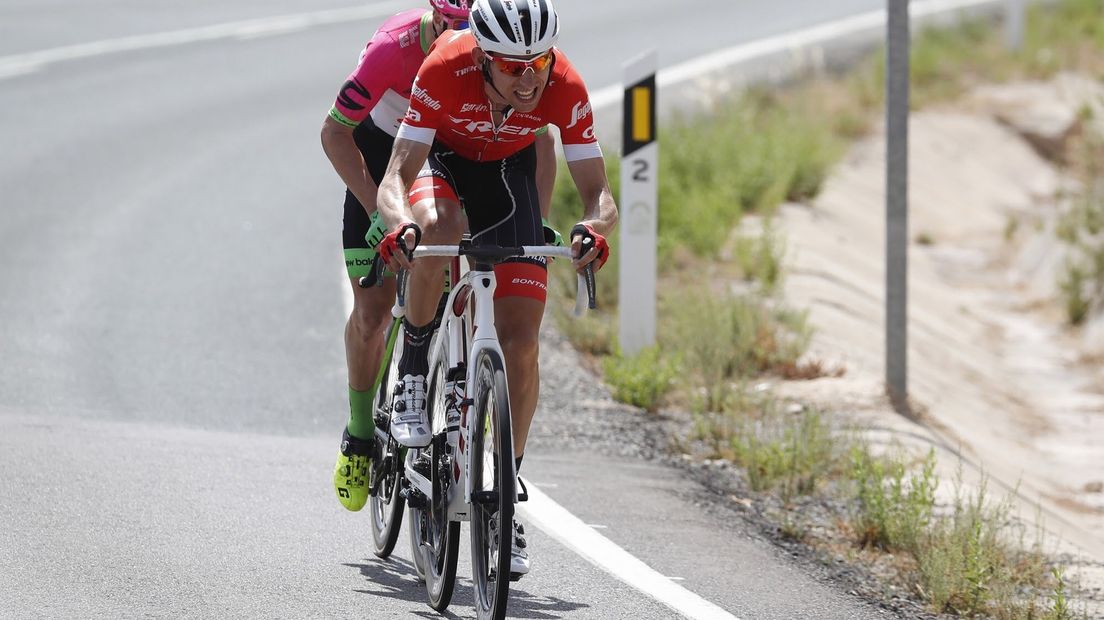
x=897, y=114
x=1014, y=24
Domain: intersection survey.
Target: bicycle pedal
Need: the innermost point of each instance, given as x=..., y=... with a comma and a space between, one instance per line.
x=484, y=497
x=516, y=576
x=414, y=498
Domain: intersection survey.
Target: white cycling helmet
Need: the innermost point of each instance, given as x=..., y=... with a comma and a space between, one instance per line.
x=515, y=28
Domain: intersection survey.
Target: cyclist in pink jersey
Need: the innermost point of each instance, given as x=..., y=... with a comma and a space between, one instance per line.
x=464, y=159
x=357, y=136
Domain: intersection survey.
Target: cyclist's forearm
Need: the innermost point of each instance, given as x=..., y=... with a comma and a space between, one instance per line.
x=600, y=211
x=599, y=208
x=391, y=200
x=348, y=162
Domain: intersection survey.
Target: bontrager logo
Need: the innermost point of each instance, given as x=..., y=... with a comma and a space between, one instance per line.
x=529, y=282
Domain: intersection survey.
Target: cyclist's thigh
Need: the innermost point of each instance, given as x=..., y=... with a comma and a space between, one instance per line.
x=433, y=197
x=503, y=209
x=500, y=198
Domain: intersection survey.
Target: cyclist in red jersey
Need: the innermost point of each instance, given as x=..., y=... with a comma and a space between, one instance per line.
x=357, y=136
x=464, y=158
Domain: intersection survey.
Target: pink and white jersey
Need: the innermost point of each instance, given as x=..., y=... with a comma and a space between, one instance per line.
x=380, y=85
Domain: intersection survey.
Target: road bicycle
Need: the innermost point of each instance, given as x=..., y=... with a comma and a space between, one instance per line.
x=467, y=471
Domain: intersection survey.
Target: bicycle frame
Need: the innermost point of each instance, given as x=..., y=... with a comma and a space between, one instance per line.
x=468, y=328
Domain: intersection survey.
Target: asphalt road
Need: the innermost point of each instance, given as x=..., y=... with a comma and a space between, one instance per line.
x=171, y=310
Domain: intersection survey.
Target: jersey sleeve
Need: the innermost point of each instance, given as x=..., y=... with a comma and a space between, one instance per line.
x=575, y=117
x=430, y=96
x=368, y=82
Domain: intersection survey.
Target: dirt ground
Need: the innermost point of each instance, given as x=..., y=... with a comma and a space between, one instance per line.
x=997, y=382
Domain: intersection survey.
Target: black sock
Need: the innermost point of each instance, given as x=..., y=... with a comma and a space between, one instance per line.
x=415, y=357
x=517, y=463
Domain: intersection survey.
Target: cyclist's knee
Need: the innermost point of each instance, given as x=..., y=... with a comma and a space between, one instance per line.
x=442, y=222
x=521, y=343
x=371, y=310
x=369, y=321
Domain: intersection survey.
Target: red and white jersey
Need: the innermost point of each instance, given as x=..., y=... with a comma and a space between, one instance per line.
x=447, y=102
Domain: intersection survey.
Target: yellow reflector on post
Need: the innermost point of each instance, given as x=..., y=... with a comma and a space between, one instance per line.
x=642, y=114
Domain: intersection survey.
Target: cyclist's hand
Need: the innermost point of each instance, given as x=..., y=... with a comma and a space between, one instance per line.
x=397, y=247
x=377, y=230
x=551, y=235
x=588, y=247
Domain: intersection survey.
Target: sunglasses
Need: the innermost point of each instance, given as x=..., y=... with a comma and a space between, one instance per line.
x=515, y=68
x=456, y=24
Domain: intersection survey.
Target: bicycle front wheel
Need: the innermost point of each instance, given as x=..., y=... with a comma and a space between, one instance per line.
x=442, y=540
x=386, y=503
x=493, y=487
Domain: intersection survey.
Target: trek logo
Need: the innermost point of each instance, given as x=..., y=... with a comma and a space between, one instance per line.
x=420, y=94
x=346, y=100
x=465, y=71
x=530, y=282
x=477, y=127
x=578, y=113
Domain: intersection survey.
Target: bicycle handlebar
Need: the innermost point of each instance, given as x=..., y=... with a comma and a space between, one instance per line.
x=494, y=253
x=585, y=280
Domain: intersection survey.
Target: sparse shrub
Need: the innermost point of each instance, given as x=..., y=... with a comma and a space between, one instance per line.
x=724, y=339
x=641, y=380
x=894, y=508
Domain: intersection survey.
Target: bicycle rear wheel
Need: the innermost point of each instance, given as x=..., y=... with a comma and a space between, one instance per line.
x=386, y=502
x=493, y=488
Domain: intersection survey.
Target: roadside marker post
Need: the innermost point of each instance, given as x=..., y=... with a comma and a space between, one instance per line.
x=638, y=206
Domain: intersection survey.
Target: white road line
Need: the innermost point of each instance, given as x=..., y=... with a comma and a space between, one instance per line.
x=677, y=74
x=19, y=64
x=572, y=533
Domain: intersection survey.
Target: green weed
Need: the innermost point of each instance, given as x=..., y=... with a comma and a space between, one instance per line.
x=894, y=508
x=641, y=380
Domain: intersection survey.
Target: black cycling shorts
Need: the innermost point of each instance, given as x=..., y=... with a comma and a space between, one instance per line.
x=501, y=203
x=499, y=197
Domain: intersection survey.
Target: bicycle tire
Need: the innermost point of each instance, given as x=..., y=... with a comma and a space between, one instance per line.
x=491, y=419
x=386, y=502
x=442, y=550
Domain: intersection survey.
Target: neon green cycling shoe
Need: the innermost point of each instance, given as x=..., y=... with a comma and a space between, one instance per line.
x=351, y=473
